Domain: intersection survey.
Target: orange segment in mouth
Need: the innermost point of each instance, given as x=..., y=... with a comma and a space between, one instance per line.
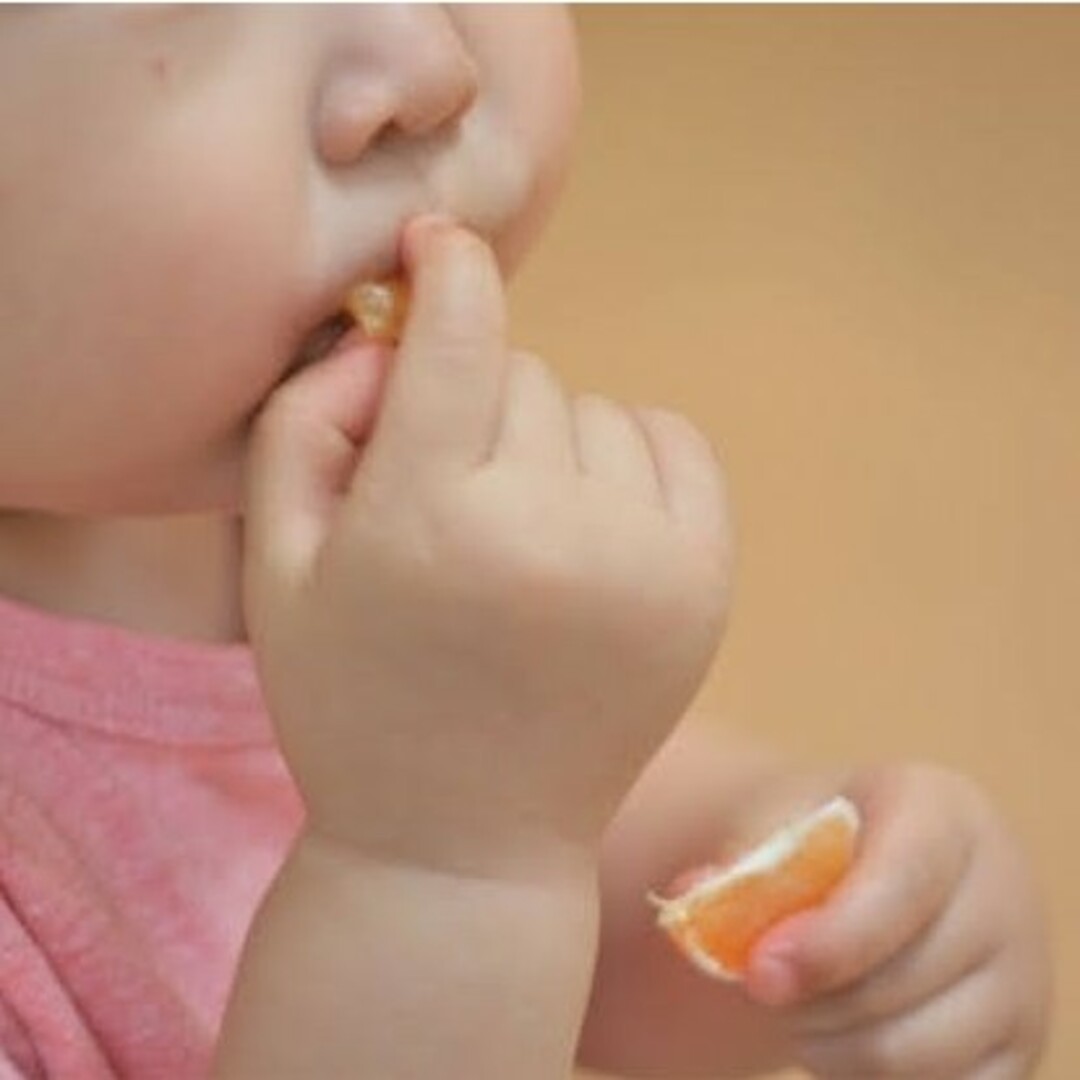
x=380, y=308
x=723, y=913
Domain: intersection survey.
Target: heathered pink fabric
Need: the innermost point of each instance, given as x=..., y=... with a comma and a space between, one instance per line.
x=144, y=810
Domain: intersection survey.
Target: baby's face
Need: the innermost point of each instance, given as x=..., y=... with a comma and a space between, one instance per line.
x=186, y=192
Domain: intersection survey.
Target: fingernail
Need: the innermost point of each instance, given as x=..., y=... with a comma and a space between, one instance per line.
x=771, y=980
x=419, y=228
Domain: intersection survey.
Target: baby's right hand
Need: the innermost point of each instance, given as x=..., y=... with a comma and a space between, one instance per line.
x=474, y=634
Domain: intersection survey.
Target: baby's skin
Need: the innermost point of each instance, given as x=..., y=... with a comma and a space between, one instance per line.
x=480, y=605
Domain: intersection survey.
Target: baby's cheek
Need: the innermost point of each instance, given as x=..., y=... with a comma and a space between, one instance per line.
x=148, y=273
x=529, y=60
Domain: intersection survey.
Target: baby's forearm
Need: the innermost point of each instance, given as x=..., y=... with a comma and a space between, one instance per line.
x=358, y=968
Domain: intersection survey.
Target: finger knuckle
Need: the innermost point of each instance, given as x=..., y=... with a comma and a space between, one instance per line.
x=450, y=248
x=921, y=886
x=505, y=536
x=531, y=373
x=464, y=242
x=590, y=403
x=280, y=413
x=524, y=361
x=457, y=341
x=824, y=970
x=288, y=418
x=881, y=1053
x=680, y=430
x=711, y=542
x=873, y=1000
x=678, y=439
x=868, y=1000
x=873, y=1053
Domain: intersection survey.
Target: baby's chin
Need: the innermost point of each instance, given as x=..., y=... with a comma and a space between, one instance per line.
x=205, y=488
x=217, y=489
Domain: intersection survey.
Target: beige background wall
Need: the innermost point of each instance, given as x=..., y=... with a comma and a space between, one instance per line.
x=847, y=242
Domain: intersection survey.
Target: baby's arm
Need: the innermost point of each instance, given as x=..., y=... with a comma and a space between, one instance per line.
x=368, y=969
x=456, y=631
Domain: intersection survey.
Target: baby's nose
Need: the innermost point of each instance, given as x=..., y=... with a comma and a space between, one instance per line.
x=407, y=70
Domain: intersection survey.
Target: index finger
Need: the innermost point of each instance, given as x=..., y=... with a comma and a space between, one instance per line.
x=442, y=400
x=908, y=866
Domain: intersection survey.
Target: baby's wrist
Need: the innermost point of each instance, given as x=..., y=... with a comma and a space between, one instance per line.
x=360, y=965
x=540, y=861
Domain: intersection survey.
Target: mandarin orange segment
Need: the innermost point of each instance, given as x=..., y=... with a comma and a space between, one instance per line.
x=721, y=914
x=380, y=307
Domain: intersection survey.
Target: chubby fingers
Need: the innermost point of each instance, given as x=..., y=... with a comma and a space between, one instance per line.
x=950, y=950
x=911, y=860
x=959, y=1030
x=441, y=406
x=434, y=407
x=690, y=476
x=653, y=454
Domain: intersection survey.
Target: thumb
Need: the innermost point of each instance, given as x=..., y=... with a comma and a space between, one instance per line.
x=303, y=452
x=774, y=974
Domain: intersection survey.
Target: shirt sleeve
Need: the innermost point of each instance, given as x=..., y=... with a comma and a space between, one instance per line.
x=81, y=996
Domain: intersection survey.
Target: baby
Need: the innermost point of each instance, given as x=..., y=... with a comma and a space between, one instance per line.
x=409, y=830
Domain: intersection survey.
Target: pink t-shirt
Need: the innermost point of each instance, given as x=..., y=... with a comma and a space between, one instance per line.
x=144, y=810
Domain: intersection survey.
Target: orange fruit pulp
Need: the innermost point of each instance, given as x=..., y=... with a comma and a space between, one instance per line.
x=720, y=913
x=380, y=307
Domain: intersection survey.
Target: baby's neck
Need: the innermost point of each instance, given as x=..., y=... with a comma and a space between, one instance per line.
x=171, y=576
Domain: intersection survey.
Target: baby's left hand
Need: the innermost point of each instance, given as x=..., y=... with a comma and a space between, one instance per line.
x=931, y=959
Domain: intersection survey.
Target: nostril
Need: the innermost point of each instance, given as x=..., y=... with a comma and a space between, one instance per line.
x=352, y=113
